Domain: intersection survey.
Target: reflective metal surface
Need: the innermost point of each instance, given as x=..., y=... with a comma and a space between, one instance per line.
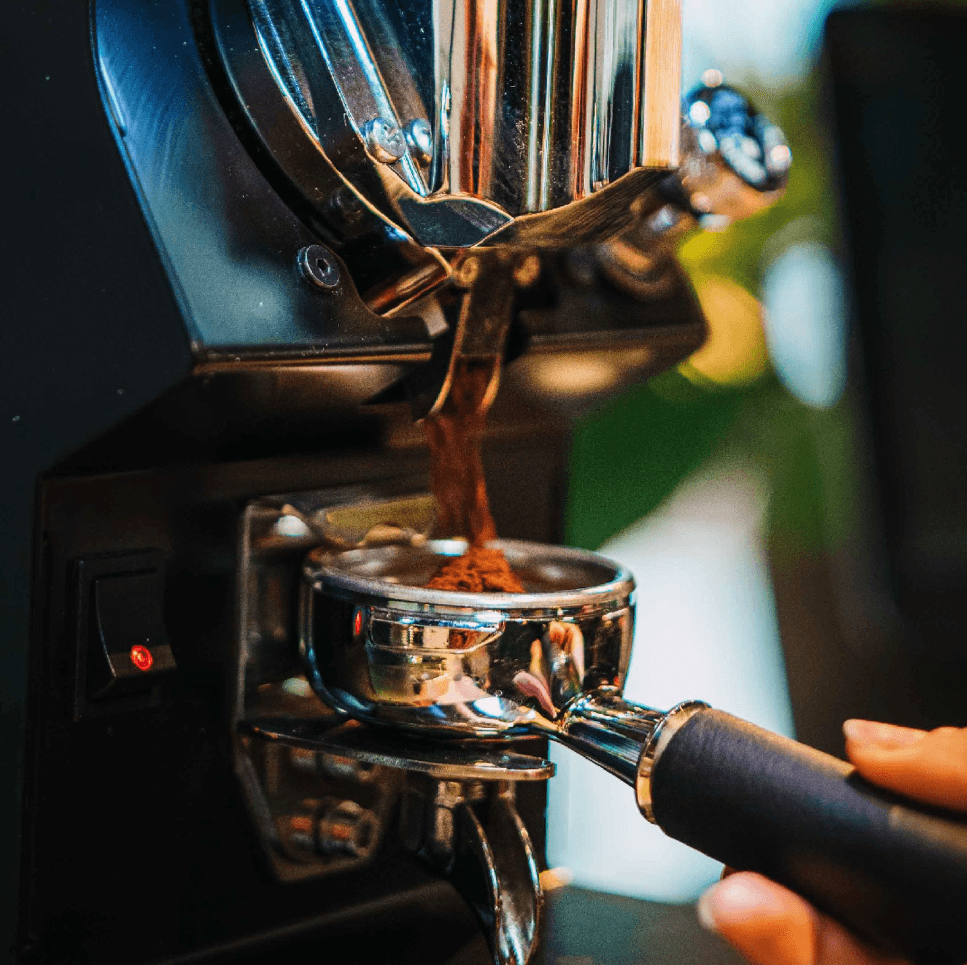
x=361, y=745
x=323, y=791
x=454, y=118
x=659, y=739
x=226, y=237
x=736, y=161
x=490, y=278
x=382, y=648
x=424, y=664
x=299, y=793
x=472, y=833
x=458, y=812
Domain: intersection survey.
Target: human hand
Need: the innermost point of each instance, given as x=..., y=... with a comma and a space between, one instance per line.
x=772, y=926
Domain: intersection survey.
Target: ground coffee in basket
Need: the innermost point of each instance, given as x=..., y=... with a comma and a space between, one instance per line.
x=457, y=480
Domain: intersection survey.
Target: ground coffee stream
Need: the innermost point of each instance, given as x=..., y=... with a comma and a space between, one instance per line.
x=454, y=435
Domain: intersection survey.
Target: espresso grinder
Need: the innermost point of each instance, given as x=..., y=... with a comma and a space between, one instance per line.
x=257, y=242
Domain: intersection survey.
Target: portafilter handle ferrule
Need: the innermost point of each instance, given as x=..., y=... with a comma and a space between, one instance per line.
x=618, y=735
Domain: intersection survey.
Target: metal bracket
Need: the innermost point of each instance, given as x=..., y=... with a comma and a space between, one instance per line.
x=458, y=813
x=317, y=812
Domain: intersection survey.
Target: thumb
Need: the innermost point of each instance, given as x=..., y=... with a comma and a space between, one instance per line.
x=769, y=925
x=927, y=766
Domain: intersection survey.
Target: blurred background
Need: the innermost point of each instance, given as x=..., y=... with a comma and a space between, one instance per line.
x=738, y=488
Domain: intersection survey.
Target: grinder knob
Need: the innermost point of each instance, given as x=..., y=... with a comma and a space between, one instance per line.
x=737, y=160
x=735, y=163
x=749, y=144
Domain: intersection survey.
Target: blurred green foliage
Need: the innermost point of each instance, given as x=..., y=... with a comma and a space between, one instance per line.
x=630, y=456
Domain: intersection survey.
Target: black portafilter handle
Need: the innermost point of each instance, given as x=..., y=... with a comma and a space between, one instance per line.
x=892, y=871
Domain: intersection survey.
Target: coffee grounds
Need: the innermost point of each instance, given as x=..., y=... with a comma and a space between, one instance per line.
x=479, y=570
x=457, y=480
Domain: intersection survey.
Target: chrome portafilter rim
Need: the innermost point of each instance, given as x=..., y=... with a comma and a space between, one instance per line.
x=475, y=665
x=347, y=574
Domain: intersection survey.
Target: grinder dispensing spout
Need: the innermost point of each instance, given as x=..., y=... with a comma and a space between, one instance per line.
x=734, y=163
x=551, y=661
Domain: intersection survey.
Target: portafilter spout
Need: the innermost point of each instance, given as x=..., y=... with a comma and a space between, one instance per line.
x=382, y=648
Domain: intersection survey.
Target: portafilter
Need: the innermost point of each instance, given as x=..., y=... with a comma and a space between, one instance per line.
x=382, y=648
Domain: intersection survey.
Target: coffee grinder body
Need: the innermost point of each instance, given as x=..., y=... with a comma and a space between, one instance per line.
x=187, y=338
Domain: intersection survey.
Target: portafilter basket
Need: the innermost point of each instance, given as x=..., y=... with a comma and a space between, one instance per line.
x=382, y=648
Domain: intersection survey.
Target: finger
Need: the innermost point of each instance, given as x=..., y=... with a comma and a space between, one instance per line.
x=769, y=925
x=927, y=766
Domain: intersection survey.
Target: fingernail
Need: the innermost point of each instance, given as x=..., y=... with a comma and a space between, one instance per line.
x=705, y=912
x=885, y=736
x=734, y=899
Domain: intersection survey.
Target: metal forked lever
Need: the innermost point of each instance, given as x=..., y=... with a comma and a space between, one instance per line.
x=471, y=832
x=489, y=278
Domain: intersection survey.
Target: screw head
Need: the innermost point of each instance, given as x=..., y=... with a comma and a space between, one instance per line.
x=466, y=272
x=527, y=271
x=384, y=140
x=318, y=266
x=419, y=136
x=346, y=205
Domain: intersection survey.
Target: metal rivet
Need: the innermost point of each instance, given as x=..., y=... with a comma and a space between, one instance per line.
x=466, y=272
x=318, y=265
x=527, y=271
x=779, y=159
x=699, y=113
x=346, y=205
x=419, y=136
x=345, y=828
x=712, y=77
x=384, y=140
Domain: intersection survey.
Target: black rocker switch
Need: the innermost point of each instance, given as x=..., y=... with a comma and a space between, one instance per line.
x=127, y=647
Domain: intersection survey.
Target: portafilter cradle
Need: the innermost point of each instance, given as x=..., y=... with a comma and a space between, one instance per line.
x=445, y=666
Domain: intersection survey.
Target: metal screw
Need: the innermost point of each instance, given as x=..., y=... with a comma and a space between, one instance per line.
x=527, y=271
x=346, y=205
x=345, y=828
x=778, y=157
x=318, y=265
x=712, y=77
x=384, y=140
x=419, y=136
x=466, y=272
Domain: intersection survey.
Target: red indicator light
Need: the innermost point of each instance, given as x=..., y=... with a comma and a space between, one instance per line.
x=141, y=657
x=358, y=623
